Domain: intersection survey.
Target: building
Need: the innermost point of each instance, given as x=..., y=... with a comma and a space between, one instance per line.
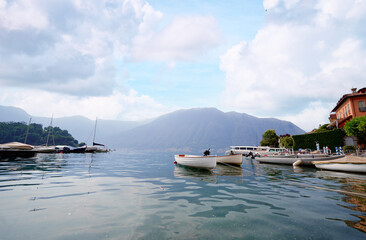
x=348, y=107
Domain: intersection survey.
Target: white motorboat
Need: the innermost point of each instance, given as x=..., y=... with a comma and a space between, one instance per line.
x=205, y=162
x=298, y=160
x=347, y=164
x=258, y=150
x=234, y=159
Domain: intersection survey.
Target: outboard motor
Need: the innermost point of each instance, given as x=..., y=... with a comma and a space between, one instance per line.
x=207, y=152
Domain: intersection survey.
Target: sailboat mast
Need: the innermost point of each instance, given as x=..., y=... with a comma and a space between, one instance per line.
x=49, y=130
x=26, y=135
x=95, y=129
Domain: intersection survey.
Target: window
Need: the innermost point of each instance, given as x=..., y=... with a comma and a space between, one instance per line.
x=361, y=106
x=349, y=110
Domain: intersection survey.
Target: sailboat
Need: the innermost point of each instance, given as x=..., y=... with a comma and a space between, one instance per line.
x=94, y=148
x=47, y=149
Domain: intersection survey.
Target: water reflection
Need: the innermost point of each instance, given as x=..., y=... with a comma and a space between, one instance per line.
x=195, y=174
x=354, y=183
x=219, y=196
x=359, y=205
x=43, y=162
x=145, y=196
x=228, y=170
x=207, y=175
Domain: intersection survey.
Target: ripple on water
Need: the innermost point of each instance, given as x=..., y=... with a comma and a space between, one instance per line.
x=120, y=195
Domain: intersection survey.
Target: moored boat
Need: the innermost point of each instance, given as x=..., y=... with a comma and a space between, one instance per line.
x=93, y=149
x=347, y=164
x=69, y=149
x=45, y=149
x=258, y=150
x=205, y=162
x=299, y=160
x=233, y=159
x=14, y=150
x=16, y=153
x=16, y=145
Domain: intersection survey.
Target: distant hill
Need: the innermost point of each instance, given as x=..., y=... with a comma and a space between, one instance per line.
x=189, y=130
x=202, y=128
x=81, y=128
x=13, y=114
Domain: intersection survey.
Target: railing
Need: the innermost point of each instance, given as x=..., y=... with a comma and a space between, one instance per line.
x=359, y=152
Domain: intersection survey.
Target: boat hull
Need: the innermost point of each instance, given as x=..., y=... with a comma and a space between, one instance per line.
x=343, y=167
x=16, y=153
x=235, y=159
x=45, y=149
x=348, y=164
x=78, y=149
x=204, y=162
x=16, y=145
x=305, y=161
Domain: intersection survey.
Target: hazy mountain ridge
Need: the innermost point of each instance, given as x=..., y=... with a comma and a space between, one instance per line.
x=189, y=129
x=202, y=128
x=81, y=128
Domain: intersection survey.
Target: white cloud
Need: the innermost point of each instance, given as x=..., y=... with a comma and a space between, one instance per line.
x=269, y=4
x=62, y=54
x=124, y=106
x=22, y=14
x=342, y=10
x=309, y=118
x=291, y=62
x=184, y=39
x=70, y=46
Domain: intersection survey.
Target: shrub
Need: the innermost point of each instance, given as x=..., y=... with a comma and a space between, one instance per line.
x=349, y=148
x=331, y=139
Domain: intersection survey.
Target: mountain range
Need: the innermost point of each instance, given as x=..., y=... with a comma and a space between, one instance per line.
x=188, y=130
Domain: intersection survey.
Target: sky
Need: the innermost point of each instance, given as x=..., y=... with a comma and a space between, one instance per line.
x=139, y=59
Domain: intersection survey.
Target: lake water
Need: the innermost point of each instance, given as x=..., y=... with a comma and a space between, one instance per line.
x=121, y=195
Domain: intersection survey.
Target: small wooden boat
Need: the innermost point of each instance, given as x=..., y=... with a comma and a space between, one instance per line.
x=205, y=162
x=347, y=164
x=298, y=160
x=233, y=159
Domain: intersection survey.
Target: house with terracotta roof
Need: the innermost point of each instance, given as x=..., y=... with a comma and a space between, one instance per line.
x=348, y=107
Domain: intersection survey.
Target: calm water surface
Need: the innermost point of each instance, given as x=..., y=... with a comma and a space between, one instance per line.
x=144, y=196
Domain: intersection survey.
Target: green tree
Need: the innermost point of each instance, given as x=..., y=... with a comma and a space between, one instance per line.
x=322, y=128
x=270, y=138
x=16, y=131
x=357, y=127
x=287, y=142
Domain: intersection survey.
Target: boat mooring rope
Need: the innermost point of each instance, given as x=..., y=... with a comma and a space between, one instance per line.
x=303, y=185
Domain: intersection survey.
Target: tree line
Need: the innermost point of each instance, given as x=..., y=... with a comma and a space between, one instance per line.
x=37, y=135
x=332, y=137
